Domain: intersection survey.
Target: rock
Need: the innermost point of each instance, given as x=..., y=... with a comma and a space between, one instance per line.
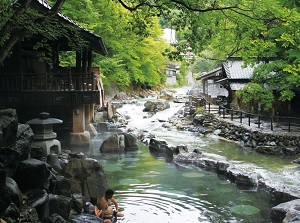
x=52, y=160
x=297, y=161
x=198, y=119
x=241, y=177
x=290, y=151
x=287, y=212
x=86, y=176
x=77, y=202
x=188, y=158
x=121, y=96
x=273, y=150
x=31, y=174
x=158, y=146
x=14, y=191
x=165, y=95
x=222, y=166
x=181, y=149
x=85, y=218
x=120, y=142
x=60, y=185
x=12, y=211
x=10, y=158
x=8, y=127
x=55, y=218
x=61, y=205
x=156, y=105
x=23, y=141
x=29, y=214
x=39, y=200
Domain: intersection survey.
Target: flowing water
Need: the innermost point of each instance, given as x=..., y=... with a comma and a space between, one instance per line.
x=150, y=190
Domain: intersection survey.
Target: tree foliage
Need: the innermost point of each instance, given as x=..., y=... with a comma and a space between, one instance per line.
x=133, y=60
x=260, y=31
x=256, y=93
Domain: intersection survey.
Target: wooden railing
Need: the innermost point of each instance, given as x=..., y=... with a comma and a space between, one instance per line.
x=48, y=82
x=272, y=122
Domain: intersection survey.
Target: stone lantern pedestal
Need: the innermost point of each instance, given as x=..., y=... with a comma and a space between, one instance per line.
x=43, y=133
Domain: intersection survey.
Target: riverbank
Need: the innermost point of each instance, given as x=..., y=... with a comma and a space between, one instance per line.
x=282, y=188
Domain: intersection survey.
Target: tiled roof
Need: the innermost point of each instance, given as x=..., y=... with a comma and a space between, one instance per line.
x=215, y=72
x=234, y=70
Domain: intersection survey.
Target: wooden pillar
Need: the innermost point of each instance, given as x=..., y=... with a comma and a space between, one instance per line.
x=55, y=56
x=78, y=120
x=90, y=60
x=78, y=62
x=84, y=62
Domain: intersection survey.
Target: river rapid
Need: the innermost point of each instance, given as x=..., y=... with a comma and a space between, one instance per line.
x=150, y=190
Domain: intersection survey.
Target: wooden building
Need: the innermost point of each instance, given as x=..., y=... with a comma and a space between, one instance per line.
x=31, y=85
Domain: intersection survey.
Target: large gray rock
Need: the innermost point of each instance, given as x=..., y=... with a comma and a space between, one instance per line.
x=156, y=105
x=31, y=174
x=55, y=218
x=10, y=159
x=198, y=119
x=23, y=141
x=273, y=150
x=8, y=127
x=14, y=191
x=39, y=200
x=158, y=146
x=241, y=177
x=60, y=185
x=120, y=142
x=61, y=205
x=86, y=176
x=287, y=212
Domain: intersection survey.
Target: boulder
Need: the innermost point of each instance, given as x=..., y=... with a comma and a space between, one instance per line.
x=120, y=142
x=166, y=95
x=10, y=159
x=52, y=160
x=8, y=127
x=39, y=200
x=23, y=141
x=31, y=174
x=14, y=191
x=241, y=178
x=61, y=205
x=287, y=212
x=272, y=150
x=86, y=176
x=158, y=146
x=156, y=105
x=60, y=185
x=55, y=218
x=28, y=214
x=198, y=119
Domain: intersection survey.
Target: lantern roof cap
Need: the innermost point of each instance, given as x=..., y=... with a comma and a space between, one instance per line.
x=44, y=119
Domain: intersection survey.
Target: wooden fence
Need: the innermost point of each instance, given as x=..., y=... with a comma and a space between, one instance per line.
x=284, y=123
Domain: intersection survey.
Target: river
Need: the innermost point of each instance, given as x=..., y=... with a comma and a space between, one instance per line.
x=150, y=190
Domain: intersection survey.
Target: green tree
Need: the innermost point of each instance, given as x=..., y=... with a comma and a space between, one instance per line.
x=256, y=93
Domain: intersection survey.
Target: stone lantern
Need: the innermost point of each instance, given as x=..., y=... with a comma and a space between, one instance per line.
x=43, y=133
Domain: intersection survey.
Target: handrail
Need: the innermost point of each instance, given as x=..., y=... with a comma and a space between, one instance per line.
x=48, y=82
x=288, y=122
